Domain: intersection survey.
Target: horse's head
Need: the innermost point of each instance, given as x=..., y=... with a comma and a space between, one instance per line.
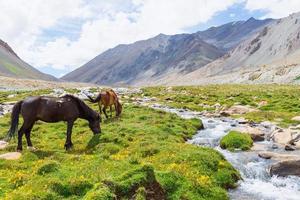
x=94, y=123
x=119, y=108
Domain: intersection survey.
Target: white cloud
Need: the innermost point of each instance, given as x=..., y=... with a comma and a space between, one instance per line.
x=104, y=25
x=274, y=8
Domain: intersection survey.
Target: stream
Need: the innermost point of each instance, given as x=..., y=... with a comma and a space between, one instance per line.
x=257, y=184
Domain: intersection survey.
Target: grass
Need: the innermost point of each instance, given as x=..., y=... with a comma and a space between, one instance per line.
x=282, y=101
x=143, y=151
x=236, y=140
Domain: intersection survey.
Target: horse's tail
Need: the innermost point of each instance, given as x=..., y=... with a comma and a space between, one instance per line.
x=14, y=120
x=97, y=99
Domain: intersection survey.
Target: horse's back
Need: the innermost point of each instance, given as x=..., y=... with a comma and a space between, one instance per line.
x=49, y=109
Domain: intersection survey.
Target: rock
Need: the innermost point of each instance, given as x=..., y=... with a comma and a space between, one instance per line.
x=217, y=105
x=168, y=99
x=239, y=110
x=3, y=144
x=289, y=147
x=262, y=103
x=32, y=148
x=11, y=95
x=11, y=156
x=265, y=155
x=224, y=114
x=296, y=118
x=255, y=133
x=275, y=146
x=286, y=168
x=242, y=121
x=258, y=147
x=278, y=156
x=282, y=136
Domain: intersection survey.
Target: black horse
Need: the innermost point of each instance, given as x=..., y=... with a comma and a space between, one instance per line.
x=50, y=109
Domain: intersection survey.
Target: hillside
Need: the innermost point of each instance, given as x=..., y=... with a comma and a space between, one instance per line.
x=11, y=65
x=270, y=56
x=147, y=61
x=163, y=57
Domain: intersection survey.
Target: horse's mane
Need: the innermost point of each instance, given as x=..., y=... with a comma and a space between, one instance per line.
x=85, y=108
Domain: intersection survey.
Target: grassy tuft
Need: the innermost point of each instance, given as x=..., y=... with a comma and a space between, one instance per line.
x=236, y=140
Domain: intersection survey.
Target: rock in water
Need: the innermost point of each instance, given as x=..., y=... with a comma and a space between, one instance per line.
x=289, y=147
x=11, y=156
x=286, y=168
x=282, y=136
x=255, y=133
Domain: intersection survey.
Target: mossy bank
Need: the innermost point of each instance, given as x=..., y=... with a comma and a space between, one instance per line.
x=141, y=154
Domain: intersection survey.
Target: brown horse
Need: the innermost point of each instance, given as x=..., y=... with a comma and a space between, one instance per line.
x=50, y=109
x=107, y=99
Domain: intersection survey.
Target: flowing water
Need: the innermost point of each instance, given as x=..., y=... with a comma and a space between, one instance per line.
x=257, y=184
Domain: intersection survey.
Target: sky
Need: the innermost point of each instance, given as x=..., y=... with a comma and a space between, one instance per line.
x=59, y=36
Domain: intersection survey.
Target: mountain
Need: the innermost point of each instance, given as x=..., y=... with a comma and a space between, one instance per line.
x=11, y=65
x=229, y=35
x=270, y=56
x=164, y=57
x=147, y=61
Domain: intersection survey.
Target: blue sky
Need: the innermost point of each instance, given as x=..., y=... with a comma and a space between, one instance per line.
x=60, y=36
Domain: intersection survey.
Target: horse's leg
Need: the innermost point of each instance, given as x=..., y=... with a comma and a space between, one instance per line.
x=20, y=135
x=99, y=104
x=68, y=143
x=27, y=135
x=116, y=109
x=111, y=111
x=104, y=111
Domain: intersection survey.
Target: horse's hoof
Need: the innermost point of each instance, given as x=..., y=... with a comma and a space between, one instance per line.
x=68, y=147
x=31, y=148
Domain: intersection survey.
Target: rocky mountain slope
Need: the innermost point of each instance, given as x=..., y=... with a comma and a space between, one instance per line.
x=164, y=57
x=147, y=61
x=229, y=35
x=13, y=66
x=272, y=55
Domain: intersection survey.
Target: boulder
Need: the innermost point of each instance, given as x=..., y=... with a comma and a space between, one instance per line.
x=258, y=147
x=286, y=168
x=3, y=144
x=11, y=156
x=289, y=147
x=255, y=133
x=265, y=155
x=278, y=156
x=296, y=118
x=282, y=136
x=238, y=110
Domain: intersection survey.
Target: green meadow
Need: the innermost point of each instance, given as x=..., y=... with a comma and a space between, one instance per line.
x=139, y=156
x=276, y=103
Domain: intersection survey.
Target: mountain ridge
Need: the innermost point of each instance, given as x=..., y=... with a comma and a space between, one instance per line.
x=163, y=57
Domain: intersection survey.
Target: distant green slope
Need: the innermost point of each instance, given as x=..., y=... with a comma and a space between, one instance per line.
x=11, y=65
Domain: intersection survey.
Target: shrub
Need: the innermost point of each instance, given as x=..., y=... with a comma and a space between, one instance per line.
x=236, y=140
